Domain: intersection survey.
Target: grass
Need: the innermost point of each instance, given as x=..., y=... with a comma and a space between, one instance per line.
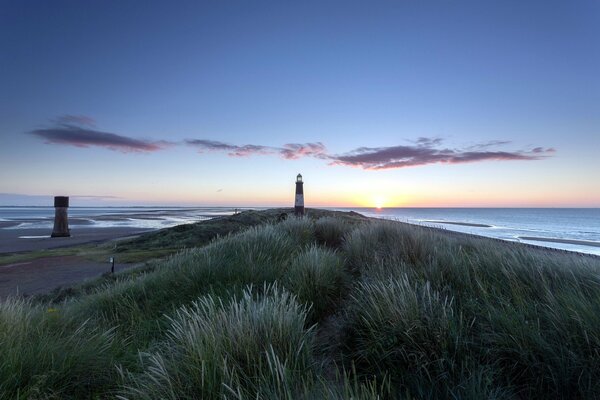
x=331, y=231
x=330, y=306
x=318, y=277
x=247, y=347
x=45, y=354
x=86, y=251
x=519, y=318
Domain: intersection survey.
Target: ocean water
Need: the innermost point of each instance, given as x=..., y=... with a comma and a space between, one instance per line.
x=512, y=224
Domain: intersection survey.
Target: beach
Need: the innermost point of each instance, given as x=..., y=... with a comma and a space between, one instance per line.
x=19, y=240
x=32, y=262
x=29, y=228
x=45, y=274
x=44, y=263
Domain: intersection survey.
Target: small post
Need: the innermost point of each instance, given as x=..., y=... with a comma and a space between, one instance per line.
x=112, y=267
x=61, y=219
x=299, y=203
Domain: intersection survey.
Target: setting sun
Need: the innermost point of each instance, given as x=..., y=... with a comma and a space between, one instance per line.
x=379, y=201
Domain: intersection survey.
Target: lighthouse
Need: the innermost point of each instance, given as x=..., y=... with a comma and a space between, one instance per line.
x=299, y=204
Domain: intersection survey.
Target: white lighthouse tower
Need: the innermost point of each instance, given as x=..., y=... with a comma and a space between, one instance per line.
x=299, y=203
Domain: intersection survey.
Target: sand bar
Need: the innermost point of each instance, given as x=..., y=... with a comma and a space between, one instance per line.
x=459, y=223
x=563, y=241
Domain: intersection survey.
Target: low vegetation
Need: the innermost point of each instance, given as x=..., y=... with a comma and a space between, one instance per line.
x=333, y=306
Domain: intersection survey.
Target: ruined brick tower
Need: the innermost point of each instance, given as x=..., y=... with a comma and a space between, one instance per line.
x=61, y=220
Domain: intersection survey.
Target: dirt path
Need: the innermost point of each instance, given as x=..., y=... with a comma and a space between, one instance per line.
x=45, y=274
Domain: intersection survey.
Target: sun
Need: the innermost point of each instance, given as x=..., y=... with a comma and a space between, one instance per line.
x=379, y=202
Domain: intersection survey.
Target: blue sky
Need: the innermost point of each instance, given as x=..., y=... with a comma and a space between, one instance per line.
x=481, y=84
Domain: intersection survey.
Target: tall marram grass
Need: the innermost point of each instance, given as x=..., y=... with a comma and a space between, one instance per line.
x=63, y=353
x=380, y=241
x=223, y=267
x=413, y=335
x=318, y=277
x=254, y=347
x=331, y=231
x=300, y=229
x=45, y=355
x=522, y=320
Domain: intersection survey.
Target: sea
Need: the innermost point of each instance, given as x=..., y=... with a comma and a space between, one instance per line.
x=572, y=229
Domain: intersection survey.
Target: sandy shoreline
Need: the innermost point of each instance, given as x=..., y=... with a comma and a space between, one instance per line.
x=12, y=241
x=46, y=274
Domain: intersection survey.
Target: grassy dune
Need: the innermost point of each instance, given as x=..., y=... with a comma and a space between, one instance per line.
x=333, y=306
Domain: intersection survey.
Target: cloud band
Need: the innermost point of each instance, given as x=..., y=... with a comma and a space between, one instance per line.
x=78, y=131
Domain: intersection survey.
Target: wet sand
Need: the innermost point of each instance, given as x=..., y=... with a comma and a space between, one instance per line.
x=563, y=241
x=12, y=241
x=15, y=223
x=46, y=274
x=460, y=223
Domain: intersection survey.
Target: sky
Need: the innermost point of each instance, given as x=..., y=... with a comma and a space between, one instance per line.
x=222, y=103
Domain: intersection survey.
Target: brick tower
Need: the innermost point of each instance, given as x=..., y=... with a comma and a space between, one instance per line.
x=61, y=220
